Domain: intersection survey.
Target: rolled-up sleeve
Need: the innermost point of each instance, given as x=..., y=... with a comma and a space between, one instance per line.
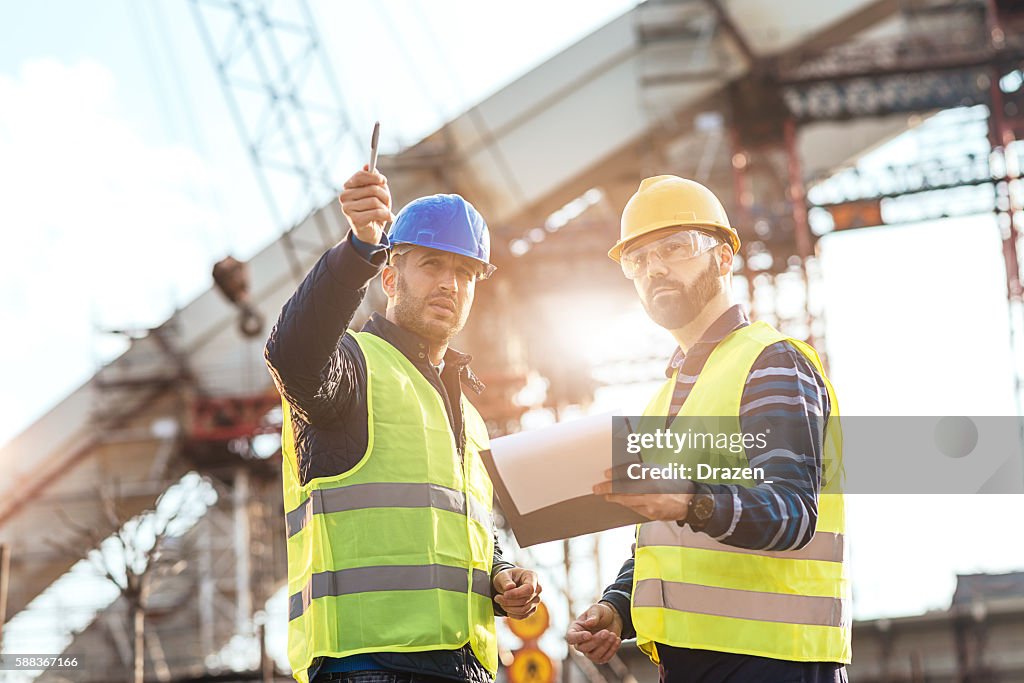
x=618, y=595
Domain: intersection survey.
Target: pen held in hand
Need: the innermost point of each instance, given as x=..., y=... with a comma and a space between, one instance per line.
x=373, y=146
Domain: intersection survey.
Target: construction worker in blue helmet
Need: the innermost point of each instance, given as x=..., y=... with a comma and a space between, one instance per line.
x=394, y=567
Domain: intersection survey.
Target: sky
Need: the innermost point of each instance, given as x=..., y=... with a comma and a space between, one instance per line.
x=124, y=179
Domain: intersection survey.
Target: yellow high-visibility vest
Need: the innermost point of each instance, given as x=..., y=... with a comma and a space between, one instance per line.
x=691, y=591
x=395, y=554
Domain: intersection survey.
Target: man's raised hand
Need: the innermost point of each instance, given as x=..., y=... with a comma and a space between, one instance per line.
x=366, y=202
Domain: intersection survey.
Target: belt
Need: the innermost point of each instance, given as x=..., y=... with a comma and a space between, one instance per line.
x=376, y=676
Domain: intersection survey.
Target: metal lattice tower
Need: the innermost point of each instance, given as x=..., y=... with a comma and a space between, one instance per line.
x=285, y=101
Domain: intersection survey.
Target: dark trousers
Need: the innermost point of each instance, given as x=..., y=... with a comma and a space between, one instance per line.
x=378, y=677
x=684, y=665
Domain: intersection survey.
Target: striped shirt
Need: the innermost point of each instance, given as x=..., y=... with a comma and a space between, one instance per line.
x=782, y=515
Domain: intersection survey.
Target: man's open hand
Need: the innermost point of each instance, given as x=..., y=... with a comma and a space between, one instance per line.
x=597, y=633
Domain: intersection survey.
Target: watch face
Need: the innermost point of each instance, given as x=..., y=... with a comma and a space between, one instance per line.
x=702, y=507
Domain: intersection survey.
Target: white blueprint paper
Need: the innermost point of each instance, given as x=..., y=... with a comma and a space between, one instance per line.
x=545, y=466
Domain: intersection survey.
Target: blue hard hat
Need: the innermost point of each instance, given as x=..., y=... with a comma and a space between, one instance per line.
x=446, y=222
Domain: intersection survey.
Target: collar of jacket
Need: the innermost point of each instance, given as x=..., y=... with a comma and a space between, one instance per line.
x=733, y=318
x=413, y=345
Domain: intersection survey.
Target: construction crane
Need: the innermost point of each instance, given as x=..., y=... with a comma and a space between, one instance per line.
x=192, y=395
x=286, y=103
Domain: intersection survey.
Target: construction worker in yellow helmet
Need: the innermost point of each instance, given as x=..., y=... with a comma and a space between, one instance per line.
x=728, y=581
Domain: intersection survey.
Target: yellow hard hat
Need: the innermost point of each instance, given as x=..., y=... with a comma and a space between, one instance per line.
x=666, y=201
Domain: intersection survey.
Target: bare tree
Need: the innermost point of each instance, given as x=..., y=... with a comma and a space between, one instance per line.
x=130, y=552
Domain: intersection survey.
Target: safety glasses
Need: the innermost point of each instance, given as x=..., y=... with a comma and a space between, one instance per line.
x=673, y=248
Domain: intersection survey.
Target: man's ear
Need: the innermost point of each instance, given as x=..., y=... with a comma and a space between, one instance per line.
x=389, y=280
x=725, y=261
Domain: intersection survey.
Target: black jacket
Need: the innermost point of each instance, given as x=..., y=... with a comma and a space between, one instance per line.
x=322, y=373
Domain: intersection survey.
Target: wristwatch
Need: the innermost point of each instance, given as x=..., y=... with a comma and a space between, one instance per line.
x=702, y=505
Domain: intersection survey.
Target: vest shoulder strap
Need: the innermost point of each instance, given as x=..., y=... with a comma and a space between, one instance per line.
x=738, y=350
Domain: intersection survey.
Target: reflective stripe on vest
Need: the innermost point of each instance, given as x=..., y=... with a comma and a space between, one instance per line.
x=393, y=555
x=383, y=495
x=692, y=591
x=386, y=578
x=824, y=546
x=739, y=604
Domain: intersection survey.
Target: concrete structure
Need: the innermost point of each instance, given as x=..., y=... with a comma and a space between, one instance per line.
x=661, y=88
x=979, y=638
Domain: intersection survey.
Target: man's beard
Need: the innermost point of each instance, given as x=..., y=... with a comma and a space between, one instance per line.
x=674, y=309
x=411, y=314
